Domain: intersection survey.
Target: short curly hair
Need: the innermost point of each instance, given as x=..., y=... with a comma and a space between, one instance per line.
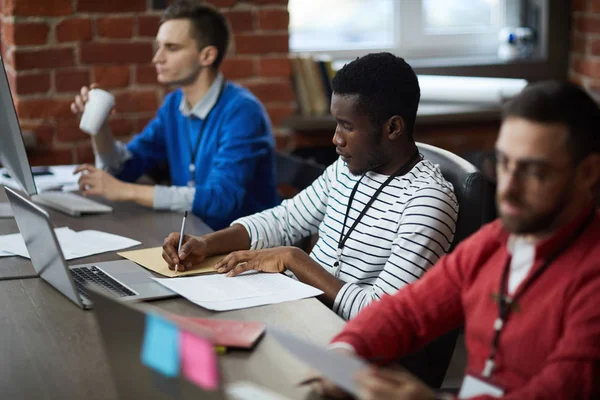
x=385, y=85
x=210, y=27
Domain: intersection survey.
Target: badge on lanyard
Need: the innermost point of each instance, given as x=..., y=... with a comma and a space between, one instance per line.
x=192, y=181
x=473, y=386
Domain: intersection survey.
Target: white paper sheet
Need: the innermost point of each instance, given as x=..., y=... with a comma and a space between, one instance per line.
x=251, y=391
x=220, y=293
x=73, y=244
x=61, y=175
x=338, y=368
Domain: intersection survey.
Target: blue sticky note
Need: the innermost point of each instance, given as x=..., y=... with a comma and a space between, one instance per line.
x=160, y=349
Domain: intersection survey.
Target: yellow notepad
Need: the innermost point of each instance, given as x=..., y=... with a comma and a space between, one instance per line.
x=152, y=259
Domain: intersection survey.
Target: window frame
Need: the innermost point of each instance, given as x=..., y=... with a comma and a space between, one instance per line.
x=549, y=62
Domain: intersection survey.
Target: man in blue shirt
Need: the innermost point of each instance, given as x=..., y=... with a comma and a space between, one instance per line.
x=214, y=134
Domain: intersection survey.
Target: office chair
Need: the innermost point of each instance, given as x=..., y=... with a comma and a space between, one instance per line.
x=295, y=174
x=476, y=207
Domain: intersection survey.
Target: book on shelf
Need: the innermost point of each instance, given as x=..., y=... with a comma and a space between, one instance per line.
x=312, y=83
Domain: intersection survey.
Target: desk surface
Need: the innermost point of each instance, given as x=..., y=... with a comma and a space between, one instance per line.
x=51, y=349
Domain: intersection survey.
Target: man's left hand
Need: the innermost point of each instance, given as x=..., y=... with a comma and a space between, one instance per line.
x=267, y=260
x=383, y=384
x=94, y=181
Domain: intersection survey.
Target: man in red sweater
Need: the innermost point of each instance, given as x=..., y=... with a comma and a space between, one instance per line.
x=526, y=286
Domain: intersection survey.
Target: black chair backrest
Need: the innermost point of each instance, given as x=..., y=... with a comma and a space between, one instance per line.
x=473, y=192
x=296, y=172
x=476, y=207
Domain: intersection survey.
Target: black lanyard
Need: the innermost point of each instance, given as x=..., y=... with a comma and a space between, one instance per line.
x=194, y=149
x=402, y=171
x=505, y=305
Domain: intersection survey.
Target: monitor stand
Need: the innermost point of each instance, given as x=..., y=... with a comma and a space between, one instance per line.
x=5, y=210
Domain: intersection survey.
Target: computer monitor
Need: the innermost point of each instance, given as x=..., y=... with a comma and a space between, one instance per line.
x=12, y=148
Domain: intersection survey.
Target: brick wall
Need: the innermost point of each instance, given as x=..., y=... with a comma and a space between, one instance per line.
x=585, y=44
x=53, y=47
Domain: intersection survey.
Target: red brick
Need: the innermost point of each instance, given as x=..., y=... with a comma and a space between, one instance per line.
x=142, y=122
x=272, y=91
x=71, y=80
x=587, y=24
x=112, y=76
x=275, y=67
x=145, y=74
x=578, y=44
x=115, y=27
x=222, y=3
x=238, y=68
x=44, y=108
x=240, y=20
x=43, y=59
x=122, y=126
x=580, y=5
x=38, y=8
x=44, y=131
x=138, y=101
x=116, y=53
x=74, y=30
x=111, y=6
x=273, y=19
x=253, y=43
x=595, y=6
x=148, y=25
x=595, y=47
x=32, y=83
x=84, y=154
x=50, y=157
x=282, y=142
x=279, y=112
x=25, y=33
x=67, y=130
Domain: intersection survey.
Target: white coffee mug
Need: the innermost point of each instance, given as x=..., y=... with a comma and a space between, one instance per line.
x=96, y=111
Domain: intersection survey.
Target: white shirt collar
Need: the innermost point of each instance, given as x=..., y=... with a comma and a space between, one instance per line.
x=203, y=107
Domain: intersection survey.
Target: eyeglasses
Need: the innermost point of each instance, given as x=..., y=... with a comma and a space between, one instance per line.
x=528, y=171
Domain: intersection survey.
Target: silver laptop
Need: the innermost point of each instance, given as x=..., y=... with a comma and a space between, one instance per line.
x=14, y=158
x=122, y=278
x=122, y=327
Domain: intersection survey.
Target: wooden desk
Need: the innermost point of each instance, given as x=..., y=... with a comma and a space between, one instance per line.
x=51, y=349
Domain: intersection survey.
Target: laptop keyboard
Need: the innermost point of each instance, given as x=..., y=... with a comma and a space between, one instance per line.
x=86, y=275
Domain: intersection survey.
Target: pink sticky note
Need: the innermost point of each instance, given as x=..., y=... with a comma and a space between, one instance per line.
x=199, y=361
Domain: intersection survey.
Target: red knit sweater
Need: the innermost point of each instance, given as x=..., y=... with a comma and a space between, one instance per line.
x=549, y=348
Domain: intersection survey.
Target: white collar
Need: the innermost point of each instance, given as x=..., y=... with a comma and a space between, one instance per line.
x=203, y=107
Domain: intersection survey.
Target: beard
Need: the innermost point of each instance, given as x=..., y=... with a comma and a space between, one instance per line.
x=532, y=222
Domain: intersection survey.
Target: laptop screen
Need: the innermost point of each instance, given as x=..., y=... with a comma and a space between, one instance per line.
x=45, y=253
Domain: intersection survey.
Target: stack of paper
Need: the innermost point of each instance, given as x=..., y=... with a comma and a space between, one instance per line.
x=58, y=177
x=73, y=244
x=220, y=293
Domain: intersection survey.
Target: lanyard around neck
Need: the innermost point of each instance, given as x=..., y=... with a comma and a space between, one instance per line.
x=506, y=305
x=194, y=149
x=404, y=169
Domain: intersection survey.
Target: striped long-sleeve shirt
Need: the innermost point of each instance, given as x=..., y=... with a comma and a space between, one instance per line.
x=406, y=230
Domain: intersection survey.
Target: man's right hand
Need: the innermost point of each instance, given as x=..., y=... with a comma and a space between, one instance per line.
x=78, y=105
x=193, y=251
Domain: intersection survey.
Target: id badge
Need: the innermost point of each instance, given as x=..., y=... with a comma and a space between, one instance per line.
x=473, y=386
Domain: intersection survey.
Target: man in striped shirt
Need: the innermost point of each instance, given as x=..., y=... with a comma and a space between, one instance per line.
x=383, y=214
